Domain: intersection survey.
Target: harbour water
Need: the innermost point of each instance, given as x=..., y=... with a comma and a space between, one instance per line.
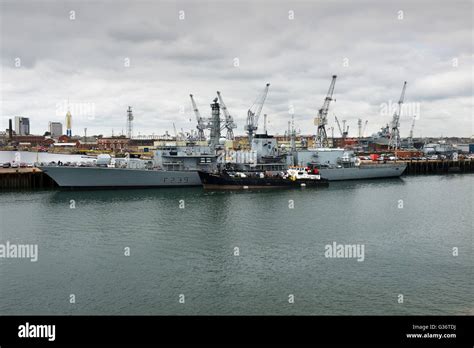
x=182, y=242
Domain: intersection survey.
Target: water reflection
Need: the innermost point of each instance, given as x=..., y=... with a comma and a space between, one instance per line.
x=363, y=184
x=119, y=195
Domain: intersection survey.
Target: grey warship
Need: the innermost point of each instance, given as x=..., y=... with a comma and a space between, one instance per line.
x=172, y=166
x=339, y=164
x=178, y=168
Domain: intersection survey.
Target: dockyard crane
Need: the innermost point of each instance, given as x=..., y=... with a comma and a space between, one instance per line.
x=254, y=113
x=339, y=126
x=361, y=129
x=321, y=139
x=365, y=127
x=201, y=125
x=229, y=123
x=410, y=138
x=344, y=131
x=175, y=132
x=394, y=141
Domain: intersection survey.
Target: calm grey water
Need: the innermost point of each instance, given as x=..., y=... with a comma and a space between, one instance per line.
x=190, y=251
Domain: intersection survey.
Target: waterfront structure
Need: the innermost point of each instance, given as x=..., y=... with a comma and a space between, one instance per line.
x=119, y=143
x=28, y=141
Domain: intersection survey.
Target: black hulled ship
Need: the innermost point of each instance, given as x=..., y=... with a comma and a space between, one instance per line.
x=294, y=177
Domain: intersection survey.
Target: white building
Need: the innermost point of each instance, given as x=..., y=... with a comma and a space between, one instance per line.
x=55, y=129
x=22, y=125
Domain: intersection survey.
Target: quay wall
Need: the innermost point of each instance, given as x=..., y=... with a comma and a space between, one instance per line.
x=34, y=178
x=24, y=178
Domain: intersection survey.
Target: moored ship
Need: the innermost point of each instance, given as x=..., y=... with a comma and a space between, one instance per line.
x=104, y=177
x=369, y=171
x=292, y=178
x=171, y=167
x=338, y=164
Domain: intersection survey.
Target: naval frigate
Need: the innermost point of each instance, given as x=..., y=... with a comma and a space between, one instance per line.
x=171, y=167
x=337, y=164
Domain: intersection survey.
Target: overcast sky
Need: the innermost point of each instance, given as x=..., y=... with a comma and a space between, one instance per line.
x=50, y=55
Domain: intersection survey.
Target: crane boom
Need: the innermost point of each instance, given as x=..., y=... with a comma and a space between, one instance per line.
x=223, y=107
x=410, y=137
x=260, y=104
x=195, y=108
x=394, y=141
x=321, y=120
x=229, y=123
x=339, y=126
x=200, y=121
x=253, y=116
x=402, y=98
x=412, y=127
x=363, y=129
x=175, y=132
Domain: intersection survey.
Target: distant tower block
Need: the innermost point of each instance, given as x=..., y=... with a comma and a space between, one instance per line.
x=129, y=123
x=68, y=124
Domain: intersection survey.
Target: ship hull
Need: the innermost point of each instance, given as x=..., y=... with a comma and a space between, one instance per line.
x=363, y=172
x=98, y=177
x=224, y=182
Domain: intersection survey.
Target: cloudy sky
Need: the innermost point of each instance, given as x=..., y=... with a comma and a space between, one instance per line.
x=105, y=55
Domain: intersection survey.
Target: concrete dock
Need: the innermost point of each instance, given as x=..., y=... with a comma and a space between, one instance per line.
x=423, y=167
x=24, y=178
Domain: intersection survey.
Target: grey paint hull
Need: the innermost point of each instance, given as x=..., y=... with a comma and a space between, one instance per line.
x=97, y=177
x=363, y=172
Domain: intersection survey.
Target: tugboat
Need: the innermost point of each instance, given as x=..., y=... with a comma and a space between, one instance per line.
x=293, y=177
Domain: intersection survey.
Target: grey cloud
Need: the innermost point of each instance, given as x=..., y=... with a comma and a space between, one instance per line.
x=84, y=60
